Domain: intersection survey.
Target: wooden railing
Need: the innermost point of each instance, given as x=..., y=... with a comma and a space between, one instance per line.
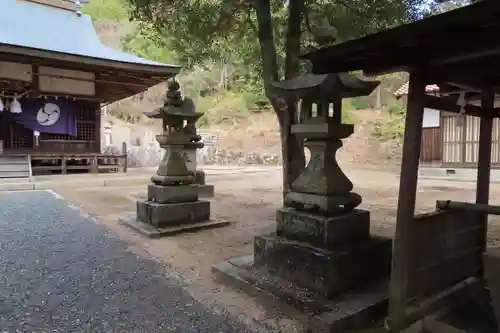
x=445, y=252
x=95, y=163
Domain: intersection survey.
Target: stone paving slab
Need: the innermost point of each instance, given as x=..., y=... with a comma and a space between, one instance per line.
x=356, y=310
x=61, y=271
x=151, y=231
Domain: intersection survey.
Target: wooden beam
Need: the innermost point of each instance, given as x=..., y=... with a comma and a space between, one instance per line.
x=121, y=83
x=450, y=105
x=81, y=62
x=76, y=97
x=477, y=73
x=402, y=244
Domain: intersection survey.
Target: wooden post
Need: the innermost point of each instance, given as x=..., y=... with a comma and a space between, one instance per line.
x=402, y=247
x=98, y=129
x=124, y=154
x=463, y=121
x=64, y=163
x=94, y=164
x=337, y=110
x=484, y=155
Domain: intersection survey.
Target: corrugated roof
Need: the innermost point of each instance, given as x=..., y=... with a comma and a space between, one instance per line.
x=404, y=89
x=36, y=26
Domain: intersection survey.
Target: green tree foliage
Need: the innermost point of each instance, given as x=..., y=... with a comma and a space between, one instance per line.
x=228, y=29
x=265, y=37
x=145, y=42
x=116, y=10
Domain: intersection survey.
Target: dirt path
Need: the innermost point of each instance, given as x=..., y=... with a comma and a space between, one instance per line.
x=250, y=202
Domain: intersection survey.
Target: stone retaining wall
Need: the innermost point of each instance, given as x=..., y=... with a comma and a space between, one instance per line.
x=150, y=155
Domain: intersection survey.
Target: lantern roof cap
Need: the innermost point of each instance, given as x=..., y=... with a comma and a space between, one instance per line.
x=318, y=87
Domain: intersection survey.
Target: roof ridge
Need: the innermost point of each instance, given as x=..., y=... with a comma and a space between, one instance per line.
x=41, y=30
x=71, y=5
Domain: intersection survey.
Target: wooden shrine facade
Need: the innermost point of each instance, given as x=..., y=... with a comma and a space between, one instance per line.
x=437, y=257
x=40, y=65
x=20, y=140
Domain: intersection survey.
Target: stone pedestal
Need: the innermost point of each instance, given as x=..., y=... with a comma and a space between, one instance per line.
x=336, y=254
x=172, y=204
x=170, y=210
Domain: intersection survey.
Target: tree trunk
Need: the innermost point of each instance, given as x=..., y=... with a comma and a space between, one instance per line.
x=292, y=149
x=292, y=146
x=295, y=12
x=267, y=47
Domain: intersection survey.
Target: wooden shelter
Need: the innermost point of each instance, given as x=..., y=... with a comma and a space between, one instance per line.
x=437, y=257
x=451, y=140
x=431, y=152
x=50, y=52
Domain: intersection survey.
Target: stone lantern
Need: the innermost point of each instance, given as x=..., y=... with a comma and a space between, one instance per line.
x=319, y=226
x=190, y=148
x=323, y=186
x=320, y=208
x=172, y=205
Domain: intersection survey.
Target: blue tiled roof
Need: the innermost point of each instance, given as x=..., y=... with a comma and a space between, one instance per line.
x=36, y=26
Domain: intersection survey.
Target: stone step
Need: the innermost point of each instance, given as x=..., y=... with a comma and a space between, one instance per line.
x=15, y=166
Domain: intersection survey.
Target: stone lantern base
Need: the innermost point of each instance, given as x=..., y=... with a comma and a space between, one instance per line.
x=328, y=267
x=172, y=205
x=170, y=210
x=204, y=190
x=335, y=253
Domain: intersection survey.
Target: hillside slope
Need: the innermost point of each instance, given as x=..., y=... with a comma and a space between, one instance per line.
x=259, y=134
x=253, y=134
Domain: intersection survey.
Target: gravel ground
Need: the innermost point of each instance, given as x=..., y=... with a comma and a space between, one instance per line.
x=62, y=272
x=249, y=201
